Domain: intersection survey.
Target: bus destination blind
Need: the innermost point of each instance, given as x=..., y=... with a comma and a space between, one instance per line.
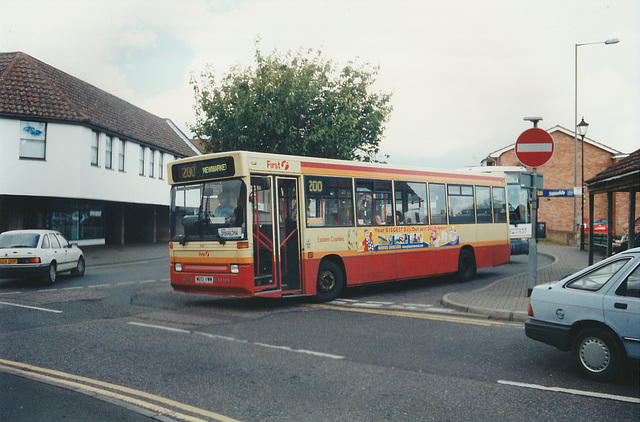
x=203, y=170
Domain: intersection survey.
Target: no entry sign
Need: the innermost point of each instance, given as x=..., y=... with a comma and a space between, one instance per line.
x=534, y=147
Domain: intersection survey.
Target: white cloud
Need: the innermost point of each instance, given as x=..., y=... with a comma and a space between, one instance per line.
x=463, y=73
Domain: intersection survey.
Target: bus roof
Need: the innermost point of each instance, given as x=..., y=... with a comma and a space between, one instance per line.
x=292, y=164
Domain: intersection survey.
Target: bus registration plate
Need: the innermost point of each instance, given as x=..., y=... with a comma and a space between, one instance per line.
x=204, y=279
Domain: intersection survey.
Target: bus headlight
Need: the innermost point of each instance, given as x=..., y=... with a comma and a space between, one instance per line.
x=235, y=269
x=178, y=267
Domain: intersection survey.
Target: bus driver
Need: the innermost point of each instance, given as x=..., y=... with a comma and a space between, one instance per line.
x=225, y=209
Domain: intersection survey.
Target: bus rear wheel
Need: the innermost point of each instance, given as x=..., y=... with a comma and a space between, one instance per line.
x=330, y=281
x=466, y=265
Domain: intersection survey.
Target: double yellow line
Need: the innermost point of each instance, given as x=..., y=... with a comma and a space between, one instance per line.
x=420, y=315
x=157, y=404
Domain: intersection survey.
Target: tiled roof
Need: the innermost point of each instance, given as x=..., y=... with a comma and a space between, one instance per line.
x=629, y=165
x=30, y=88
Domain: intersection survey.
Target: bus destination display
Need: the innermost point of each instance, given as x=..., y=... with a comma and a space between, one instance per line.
x=203, y=170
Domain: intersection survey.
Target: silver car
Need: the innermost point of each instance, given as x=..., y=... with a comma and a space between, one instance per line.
x=595, y=313
x=39, y=253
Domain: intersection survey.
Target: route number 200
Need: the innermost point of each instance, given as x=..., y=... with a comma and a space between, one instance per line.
x=188, y=172
x=315, y=186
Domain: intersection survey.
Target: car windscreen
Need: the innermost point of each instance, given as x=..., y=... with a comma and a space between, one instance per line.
x=19, y=240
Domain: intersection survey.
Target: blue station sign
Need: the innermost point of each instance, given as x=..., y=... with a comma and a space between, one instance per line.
x=558, y=193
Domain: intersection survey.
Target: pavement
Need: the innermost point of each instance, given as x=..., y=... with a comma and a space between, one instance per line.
x=505, y=299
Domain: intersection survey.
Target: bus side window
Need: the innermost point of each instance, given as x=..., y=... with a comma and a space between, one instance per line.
x=329, y=201
x=483, y=204
x=499, y=205
x=461, y=204
x=411, y=203
x=437, y=203
x=374, y=202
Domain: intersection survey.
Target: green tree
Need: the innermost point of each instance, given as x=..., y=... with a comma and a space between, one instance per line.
x=293, y=104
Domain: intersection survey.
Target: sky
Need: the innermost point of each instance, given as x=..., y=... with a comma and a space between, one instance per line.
x=463, y=74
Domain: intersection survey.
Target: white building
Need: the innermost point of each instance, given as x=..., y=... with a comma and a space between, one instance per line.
x=79, y=160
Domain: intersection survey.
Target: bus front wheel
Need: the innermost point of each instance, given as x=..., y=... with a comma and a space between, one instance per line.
x=330, y=281
x=466, y=265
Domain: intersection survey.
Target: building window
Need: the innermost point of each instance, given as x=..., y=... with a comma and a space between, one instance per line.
x=141, y=163
x=121, y=155
x=108, y=153
x=33, y=140
x=95, y=147
x=78, y=220
x=151, y=162
x=160, y=165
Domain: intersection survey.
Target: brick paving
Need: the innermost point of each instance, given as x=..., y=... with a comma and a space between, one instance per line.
x=507, y=298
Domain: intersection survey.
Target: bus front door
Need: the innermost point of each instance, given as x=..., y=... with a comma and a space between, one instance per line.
x=261, y=199
x=288, y=235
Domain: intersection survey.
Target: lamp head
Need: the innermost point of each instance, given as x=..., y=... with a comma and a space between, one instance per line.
x=612, y=41
x=582, y=127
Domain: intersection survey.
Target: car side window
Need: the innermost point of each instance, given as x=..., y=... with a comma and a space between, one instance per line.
x=595, y=279
x=45, y=242
x=63, y=241
x=631, y=286
x=54, y=242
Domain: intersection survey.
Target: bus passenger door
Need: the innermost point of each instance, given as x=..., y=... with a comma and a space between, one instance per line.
x=261, y=200
x=288, y=234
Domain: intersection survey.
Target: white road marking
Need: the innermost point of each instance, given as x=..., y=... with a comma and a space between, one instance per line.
x=160, y=327
x=31, y=307
x=218, y=337
x=92, y=286
x=308, y=352
x=572, y=391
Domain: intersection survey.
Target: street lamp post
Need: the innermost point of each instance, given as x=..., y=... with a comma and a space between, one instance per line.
x=582, y=130
x=575, y=122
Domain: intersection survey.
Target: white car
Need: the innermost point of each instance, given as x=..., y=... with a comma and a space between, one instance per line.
x=44, y=253
x=595, y=313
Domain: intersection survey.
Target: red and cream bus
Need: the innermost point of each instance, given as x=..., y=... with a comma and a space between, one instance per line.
x=257, y=224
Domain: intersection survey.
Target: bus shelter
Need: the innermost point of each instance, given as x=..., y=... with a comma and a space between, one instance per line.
x=621, y=177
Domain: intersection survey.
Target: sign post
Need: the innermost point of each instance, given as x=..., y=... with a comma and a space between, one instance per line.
x=534, y=148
